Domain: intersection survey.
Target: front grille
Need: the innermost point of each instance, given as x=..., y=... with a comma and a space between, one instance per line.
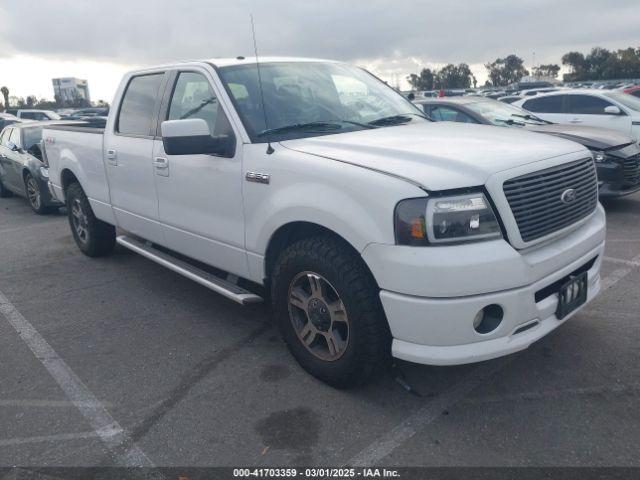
x=535, y=198
x=632, y=171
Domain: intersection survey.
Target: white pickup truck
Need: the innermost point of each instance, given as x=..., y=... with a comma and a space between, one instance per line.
x=375, y=232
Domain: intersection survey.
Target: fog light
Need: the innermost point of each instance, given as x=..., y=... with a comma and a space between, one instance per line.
x=488, y=319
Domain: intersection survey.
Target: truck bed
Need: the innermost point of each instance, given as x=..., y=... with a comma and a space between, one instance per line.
x=78, y=147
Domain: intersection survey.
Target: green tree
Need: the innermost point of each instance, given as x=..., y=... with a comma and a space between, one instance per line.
x=549, y=70
x=454, y=76
x=505, y=71
x=603, y=64
x=5, y=95
x=423, y=81
x=449, y=76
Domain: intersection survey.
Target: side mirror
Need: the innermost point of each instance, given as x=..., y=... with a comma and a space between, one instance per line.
x=12, y=146
x=612, y=110
x=193, y=137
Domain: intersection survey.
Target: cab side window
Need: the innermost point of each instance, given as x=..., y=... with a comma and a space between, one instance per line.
x=138, y=105
x=193, y=97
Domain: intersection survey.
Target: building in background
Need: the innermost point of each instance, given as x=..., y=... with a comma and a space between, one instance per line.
x=71, y=92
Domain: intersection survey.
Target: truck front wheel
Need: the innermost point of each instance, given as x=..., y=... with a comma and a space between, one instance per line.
x=328, y=309
x=94, y=237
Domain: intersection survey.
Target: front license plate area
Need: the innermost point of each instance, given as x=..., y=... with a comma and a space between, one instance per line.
x=572, y=294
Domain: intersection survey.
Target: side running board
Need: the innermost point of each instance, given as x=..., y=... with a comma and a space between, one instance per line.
x=206, y=279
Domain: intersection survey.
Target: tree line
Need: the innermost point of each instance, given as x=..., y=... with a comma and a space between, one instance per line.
x=599, y=64
x=42, y=104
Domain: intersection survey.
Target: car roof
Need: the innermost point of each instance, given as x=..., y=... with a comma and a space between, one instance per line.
x=457, y=100
x=35, y=110
x=227, y=62
x=36, y=123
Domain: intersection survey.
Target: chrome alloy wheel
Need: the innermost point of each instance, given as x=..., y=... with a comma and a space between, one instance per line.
x=33, y=192
x=318, y=316
x=79, y=221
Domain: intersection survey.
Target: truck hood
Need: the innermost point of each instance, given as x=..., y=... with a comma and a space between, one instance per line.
x=437, y=156
x=590, y=137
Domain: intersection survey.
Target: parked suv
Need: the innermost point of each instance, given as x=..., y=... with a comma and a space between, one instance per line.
x=595, y=108
x=375, y=231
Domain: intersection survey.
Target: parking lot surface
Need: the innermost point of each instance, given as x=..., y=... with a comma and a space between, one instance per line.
x=118, y=361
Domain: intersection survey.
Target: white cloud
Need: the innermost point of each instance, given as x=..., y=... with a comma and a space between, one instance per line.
x=394, y=37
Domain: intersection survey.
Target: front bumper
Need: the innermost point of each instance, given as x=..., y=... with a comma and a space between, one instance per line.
x=432, y=323
x=619, y=175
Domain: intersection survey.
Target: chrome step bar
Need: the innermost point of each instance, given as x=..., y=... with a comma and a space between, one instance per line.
x=206, y=279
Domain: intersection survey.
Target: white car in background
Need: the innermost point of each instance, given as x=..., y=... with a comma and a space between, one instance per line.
x=595, y=108
x=38, y=115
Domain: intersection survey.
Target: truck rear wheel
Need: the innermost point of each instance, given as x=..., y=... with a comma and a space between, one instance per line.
x=94, y=237
x=328, y=309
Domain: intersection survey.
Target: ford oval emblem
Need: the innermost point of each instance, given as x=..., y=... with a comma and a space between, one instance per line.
x=568, y=196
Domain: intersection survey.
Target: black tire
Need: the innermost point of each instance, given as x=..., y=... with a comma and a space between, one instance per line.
x=34, y=195
x=368, y=349
x=97, y=238
x=4, y=192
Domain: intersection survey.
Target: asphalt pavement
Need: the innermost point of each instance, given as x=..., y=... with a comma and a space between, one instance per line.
x=118, y=361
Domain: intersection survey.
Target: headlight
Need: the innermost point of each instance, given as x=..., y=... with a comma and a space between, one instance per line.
x=44, y=171
x=598, y=156
x=440, y=220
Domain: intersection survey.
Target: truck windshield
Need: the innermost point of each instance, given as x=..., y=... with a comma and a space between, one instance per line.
x=306, y=99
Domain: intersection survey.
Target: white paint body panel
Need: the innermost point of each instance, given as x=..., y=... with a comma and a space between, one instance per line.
x=351, y=183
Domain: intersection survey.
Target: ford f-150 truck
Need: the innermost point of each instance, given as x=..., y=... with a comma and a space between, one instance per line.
x=374, y=231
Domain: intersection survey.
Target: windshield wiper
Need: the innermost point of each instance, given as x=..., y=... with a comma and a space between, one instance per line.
x=318, y=126
x=530, y=117
x=397, y=119
x=509, y=122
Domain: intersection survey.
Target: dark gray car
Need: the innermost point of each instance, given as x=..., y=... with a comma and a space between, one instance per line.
x=617, y=156
x=22, y=169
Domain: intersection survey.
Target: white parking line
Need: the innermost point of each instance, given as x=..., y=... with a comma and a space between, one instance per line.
x=378, y=450
x=617, y=275
x=8, y=442
x=27, y=403
x=103, y=424
x=621, y=261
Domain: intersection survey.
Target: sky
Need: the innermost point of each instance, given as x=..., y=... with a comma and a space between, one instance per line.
x=99, y=40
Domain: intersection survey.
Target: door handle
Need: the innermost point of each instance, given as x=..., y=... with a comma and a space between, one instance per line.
x=161, y=165
x=112, y=157
x=575, y=120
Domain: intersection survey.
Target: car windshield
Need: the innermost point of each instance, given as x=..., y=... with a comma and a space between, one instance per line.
x=305, y=99
x=625, y=99
x=31, y=136
x=500, y=113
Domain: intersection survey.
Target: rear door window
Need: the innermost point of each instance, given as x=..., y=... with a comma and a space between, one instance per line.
x=550, y=104
x=138, y=105
x=586, y=105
